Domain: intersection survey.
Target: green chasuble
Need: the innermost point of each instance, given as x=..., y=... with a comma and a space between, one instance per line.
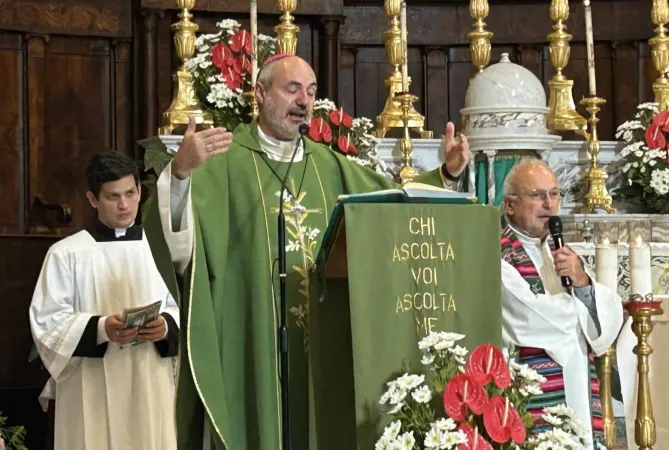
x=229, y=360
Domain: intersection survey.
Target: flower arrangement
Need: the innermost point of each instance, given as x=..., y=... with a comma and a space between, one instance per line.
x=351, y=137
x=221, y=68
x=11, y=438
x=646, y=153
x=483, y=404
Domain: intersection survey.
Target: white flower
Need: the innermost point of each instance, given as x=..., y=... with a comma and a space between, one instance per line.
x=626, y=167
x=534, y=389
x=228, y=24
x=428, y=341
x=324, y=104
x=398, y=407
x=392, y=430
x=409, y=382
x=433, y=439
x=407, y=441
x=427, y=359
x=560, y=410
x=652, y=106
x=659, y=181
x=445, y=424
x=422, y=394
x=458, y=351
x=553, y=420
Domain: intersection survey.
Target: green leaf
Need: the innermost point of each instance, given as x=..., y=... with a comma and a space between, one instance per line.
x=156, y=158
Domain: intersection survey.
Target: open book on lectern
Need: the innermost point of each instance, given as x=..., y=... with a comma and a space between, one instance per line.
x=411, y=192
x=334, y=240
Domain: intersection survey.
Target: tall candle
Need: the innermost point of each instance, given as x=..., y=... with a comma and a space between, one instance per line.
x=590, y=48
x=606, y=265
x=254, y=42
x=640, y=276
x=403, y=36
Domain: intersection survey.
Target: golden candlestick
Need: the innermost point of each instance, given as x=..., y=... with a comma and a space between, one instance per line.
x=251, y=99
x=644, y=424
x=392, y=115
x=408, y=171
x=659, y=14
x=597, y=196
x=184, y=101
x=562, y=115
x=606, y=399
x=479, y=39
x=287, y=31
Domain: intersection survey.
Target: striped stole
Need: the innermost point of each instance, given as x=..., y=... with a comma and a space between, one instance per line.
x=514, y=253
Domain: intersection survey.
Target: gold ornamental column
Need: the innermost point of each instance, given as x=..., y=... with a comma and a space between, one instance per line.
x=287, y=31
x=479, y=39
x=184, y=101
x=659, y=14
x=644, y=424
x=562, y=115
x=392, y=115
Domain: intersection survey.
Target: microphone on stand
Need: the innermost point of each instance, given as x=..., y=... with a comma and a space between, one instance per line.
x=555, y=229
x=283, y=327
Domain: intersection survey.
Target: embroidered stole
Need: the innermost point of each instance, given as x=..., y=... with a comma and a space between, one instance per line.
x=514, y=253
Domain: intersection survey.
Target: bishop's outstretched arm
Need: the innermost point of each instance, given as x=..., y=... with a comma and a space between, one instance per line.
x=176, y=217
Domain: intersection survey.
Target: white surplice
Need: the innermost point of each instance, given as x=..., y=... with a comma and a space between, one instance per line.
x=125, y=399
x=558, y=322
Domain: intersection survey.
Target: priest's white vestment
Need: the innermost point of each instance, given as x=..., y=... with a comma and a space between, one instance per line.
x=120, y=398
x=558, y=322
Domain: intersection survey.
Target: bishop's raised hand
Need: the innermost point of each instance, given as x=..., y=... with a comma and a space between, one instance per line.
x=456, y=153
x=197, y=147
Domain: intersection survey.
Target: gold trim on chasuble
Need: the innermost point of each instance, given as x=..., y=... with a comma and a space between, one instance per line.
x=196, y=226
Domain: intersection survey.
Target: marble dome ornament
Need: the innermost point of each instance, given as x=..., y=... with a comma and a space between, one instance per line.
x=505, y=109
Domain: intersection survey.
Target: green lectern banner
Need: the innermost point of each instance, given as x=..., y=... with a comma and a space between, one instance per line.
x=407, y=269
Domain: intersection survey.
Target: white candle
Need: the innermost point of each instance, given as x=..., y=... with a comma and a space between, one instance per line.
x=606, y=265
x=405, y=53
x=640, y=276
x=254, y=42
x=590, y=47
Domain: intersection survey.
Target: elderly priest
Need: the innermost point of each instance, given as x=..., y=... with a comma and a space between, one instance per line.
x=114, y=385
x=556, y=330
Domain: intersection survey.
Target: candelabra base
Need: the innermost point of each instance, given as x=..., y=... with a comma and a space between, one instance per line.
x=184, y=105
x=563, y=115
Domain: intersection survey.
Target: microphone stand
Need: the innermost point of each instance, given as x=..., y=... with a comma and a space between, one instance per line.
x=283, y=326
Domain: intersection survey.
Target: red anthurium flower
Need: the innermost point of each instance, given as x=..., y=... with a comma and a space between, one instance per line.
x=462, y=392
x=242, y=65
x=487, y=363
x=241, y=40
x=221, y=56
x=502, y=421
x=654, y=137
x=339, y=117
x=474, y=440
x=345, y=144
x=232, y=79
x=661, y=120
x=319, y=130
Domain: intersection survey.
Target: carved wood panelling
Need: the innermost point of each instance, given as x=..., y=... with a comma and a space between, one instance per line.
x=304, y=7
x=80, y=17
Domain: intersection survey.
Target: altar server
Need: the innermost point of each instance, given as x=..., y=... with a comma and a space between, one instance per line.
x=108, y=395
x=556, y=330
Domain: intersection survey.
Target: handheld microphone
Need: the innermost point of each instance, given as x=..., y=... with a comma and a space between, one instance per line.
x=555, y=229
